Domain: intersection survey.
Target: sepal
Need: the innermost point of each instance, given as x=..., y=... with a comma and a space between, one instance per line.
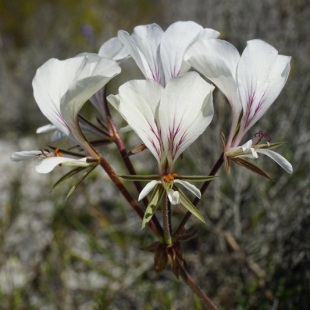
x=157, y=196
x=189, y=206
x=251, y=167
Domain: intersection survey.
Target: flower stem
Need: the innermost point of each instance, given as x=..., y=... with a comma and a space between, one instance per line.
x=203, y=189
x=195, y=288
x=111, y=173
x=167, y=220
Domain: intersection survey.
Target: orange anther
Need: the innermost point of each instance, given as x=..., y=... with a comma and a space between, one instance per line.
x=57, y=152
x=169, y=177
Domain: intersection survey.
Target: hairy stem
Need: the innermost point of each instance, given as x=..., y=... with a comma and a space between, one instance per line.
x=195, y=288
x=167, y=220
x=203, y=189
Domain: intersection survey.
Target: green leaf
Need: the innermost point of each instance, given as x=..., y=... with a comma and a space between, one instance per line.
x=252, y=167
x=157, y=196
x=189, y=206
x=195, y=178
x=84, y=175
x=139, y=177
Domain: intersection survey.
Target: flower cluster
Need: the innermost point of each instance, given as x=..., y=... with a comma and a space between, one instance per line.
x=168, y=110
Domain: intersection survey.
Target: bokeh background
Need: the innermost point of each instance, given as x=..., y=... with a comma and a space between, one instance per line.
x=254, y=252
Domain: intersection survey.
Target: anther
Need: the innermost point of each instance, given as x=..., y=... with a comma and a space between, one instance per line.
x=169, y=177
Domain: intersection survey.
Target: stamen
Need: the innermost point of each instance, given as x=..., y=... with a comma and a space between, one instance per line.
x=169, y=177
x=262, y=135
x=57, y=152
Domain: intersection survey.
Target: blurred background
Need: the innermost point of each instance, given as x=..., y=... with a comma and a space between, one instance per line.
x=254, y=252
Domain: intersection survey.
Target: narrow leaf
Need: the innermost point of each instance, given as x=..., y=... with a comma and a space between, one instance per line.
x=84, y=175
x=251, y=167
x=189, y=206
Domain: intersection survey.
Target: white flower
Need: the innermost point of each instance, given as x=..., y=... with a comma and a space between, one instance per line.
x=158, y=54
x=168, y=120
x=251, y=83
x=62, y=87
x=46, y=160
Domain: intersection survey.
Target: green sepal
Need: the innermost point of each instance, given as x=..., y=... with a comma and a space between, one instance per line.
x=189, y=206
x=84, y=175
x=139, y=177
x=252, y=167
x=268, y=146
x=68, y=175
x=157, y=195
x=195, y=178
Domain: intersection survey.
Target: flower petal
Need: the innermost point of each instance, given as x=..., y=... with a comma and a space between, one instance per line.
x=113, y=49
x=137, y=102
x=176, y=39
x=261, y=75
x=46, y=128
x=173, y=196
x=143, y=48
x=147, y=189
x=185, y=111
x=217, y=60
x=94, y=72
x=25, y=155
x=48, y=164
x=279, y=159
x=70, y=82
x=192, y=188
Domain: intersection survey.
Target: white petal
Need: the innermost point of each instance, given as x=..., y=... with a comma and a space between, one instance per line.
x=143, y=48
x=69, y=83
x=113, y=49
x=147, y=189
x=279, y=159
x=261, y=75
x=46, y=128
x=137, y=102
x=25, y=155
x=93, y=74
x=217, y=60
x=125, y=129
x=48, y=164
x=185, y=111
x=246, y=146
x=173, y=196
x=192, y=188
x=98, y=100
x=175, y=41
